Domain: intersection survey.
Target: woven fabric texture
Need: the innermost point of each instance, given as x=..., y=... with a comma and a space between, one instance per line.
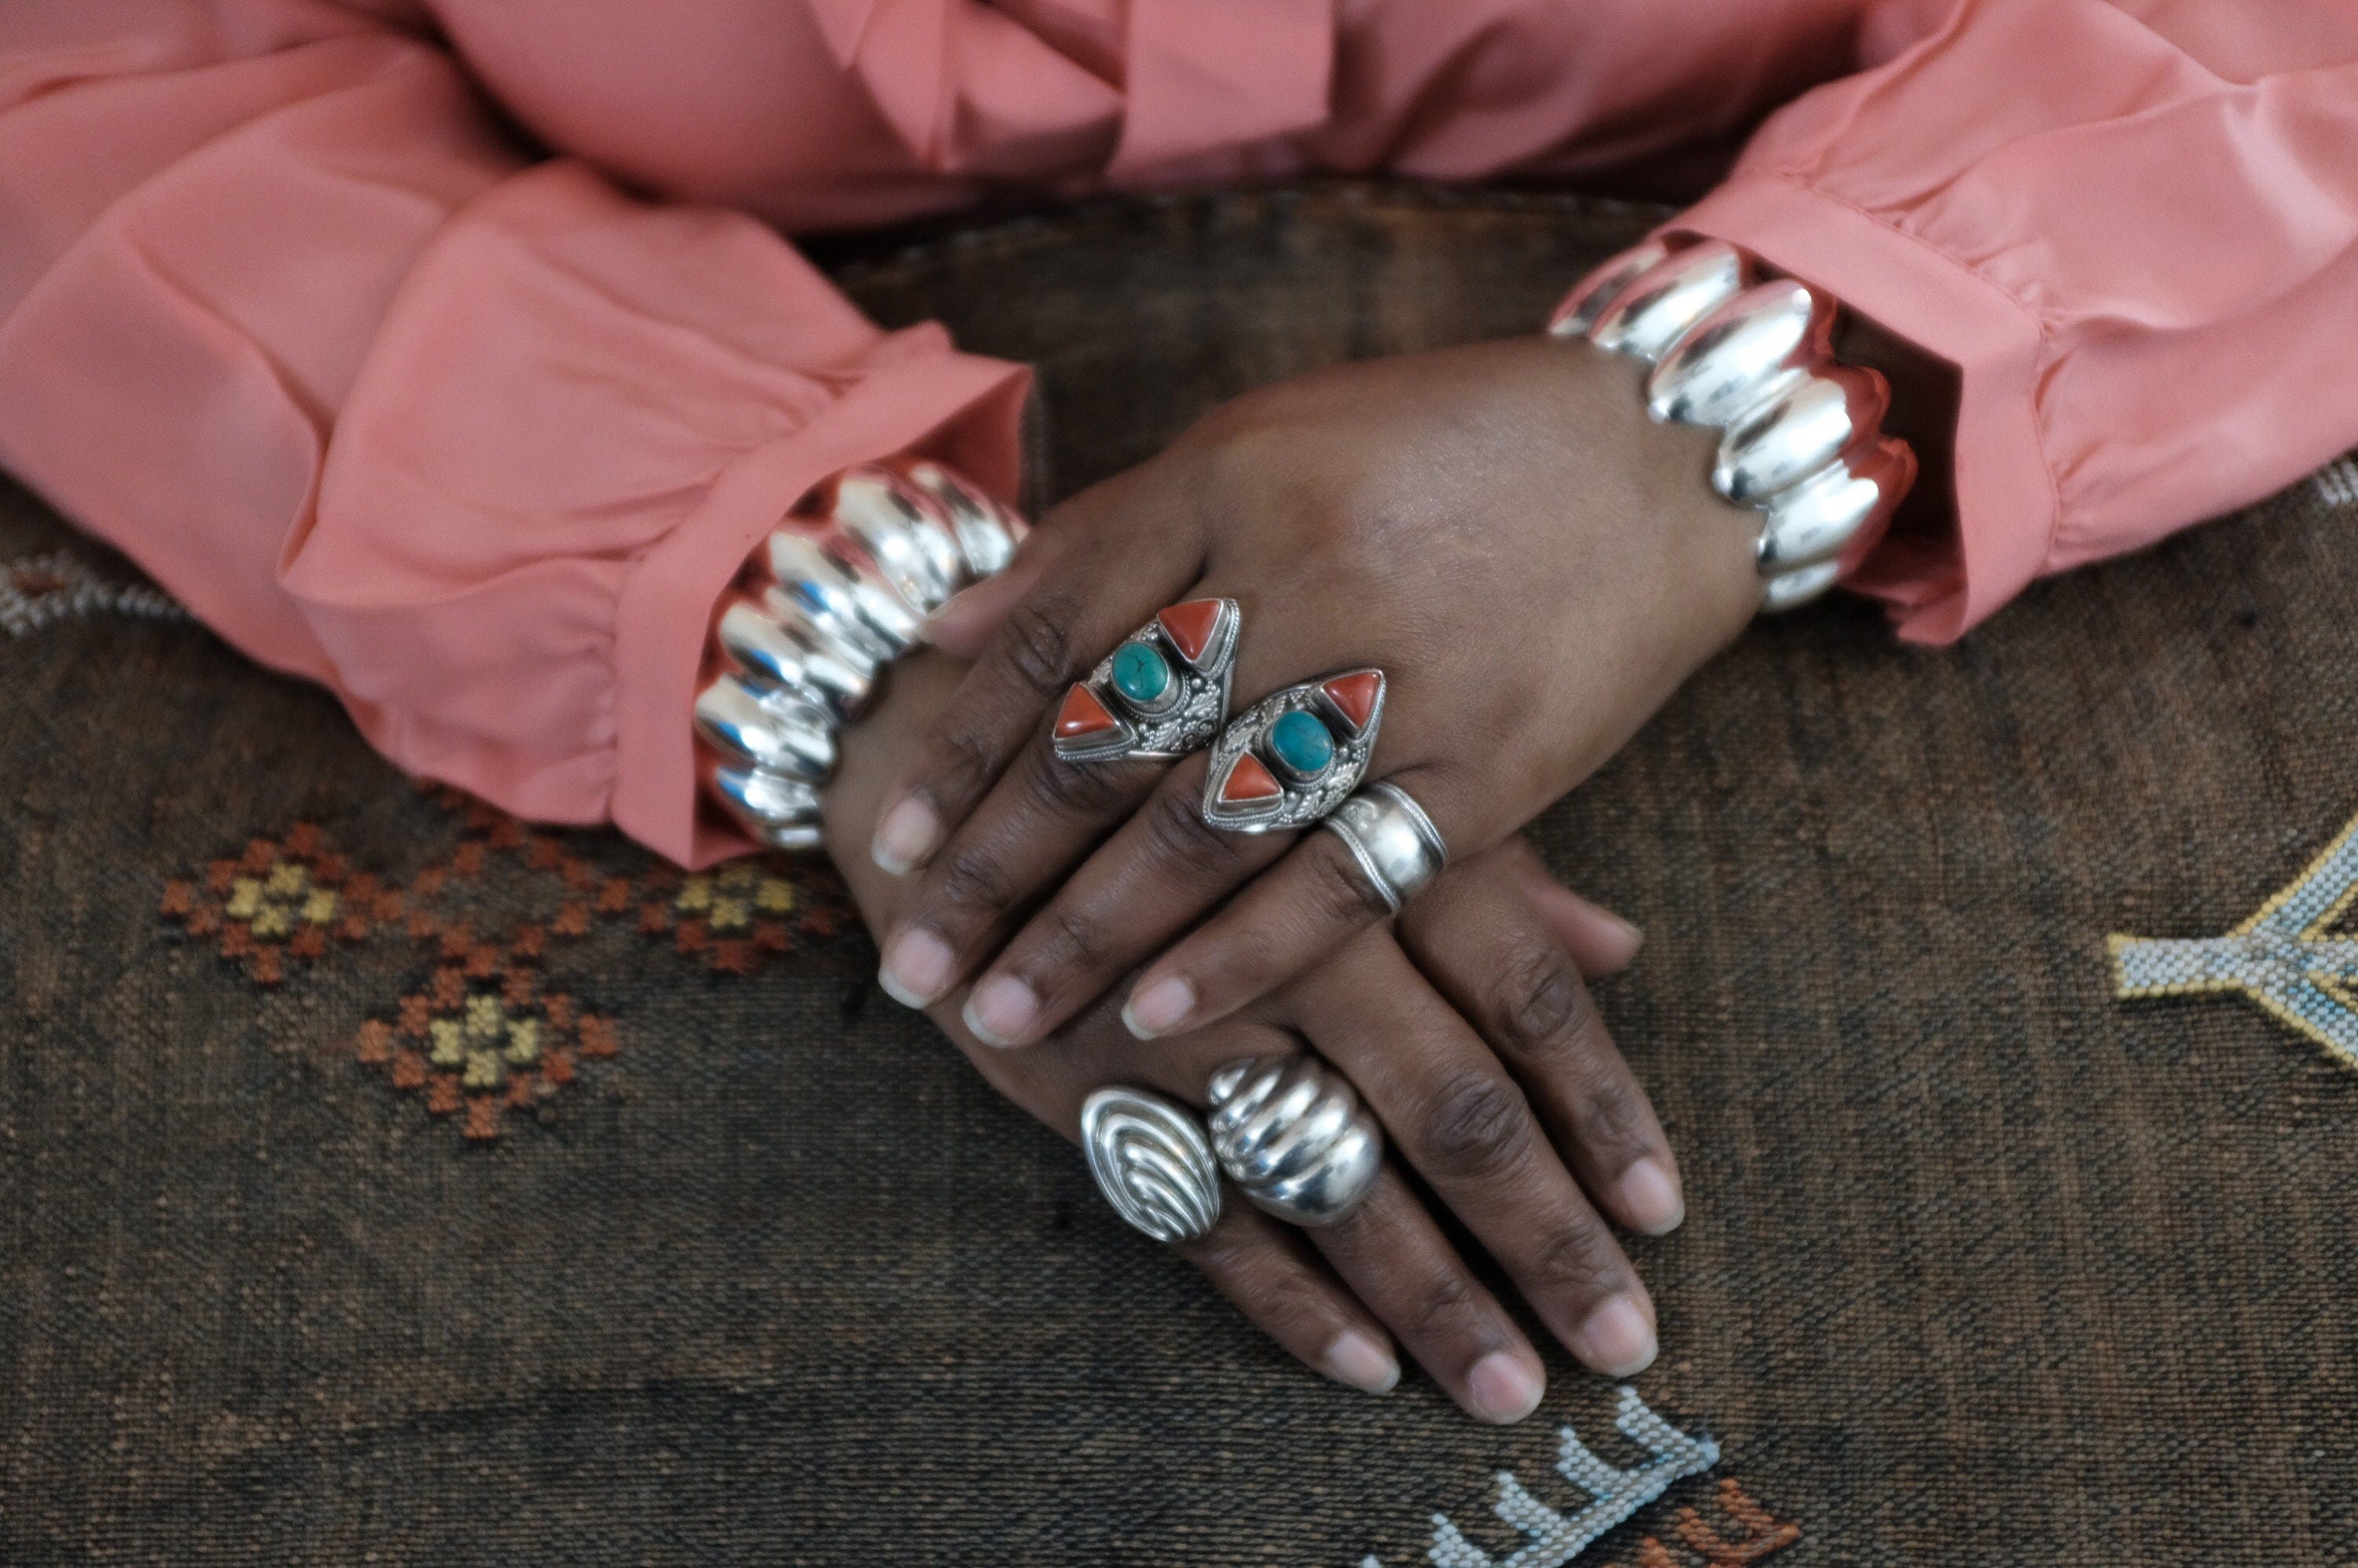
x=388, y=1184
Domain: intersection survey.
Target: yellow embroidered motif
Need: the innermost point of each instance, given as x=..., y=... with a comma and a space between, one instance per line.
x=2284, y=957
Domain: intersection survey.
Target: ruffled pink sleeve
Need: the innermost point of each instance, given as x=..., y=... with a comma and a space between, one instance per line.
x=473, y=441
x=2132, y=225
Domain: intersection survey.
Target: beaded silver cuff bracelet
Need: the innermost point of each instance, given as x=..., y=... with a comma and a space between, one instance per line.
x=1802, y=434
x=835, y=593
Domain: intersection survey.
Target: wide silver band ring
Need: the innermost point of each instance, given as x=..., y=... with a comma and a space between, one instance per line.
x=1395, y=843
x=1291, y=1132
x=1151, y=1161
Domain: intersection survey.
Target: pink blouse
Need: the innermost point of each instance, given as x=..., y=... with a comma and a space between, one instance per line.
x=475, y=434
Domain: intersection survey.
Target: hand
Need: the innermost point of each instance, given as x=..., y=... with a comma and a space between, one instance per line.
x=1534, y=564
x=1481, y=1074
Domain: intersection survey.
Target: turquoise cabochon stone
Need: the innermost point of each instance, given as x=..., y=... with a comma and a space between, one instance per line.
x=1301, y=742
x=1140, y=674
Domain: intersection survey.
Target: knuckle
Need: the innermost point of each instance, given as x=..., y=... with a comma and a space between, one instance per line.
x=961, y=767
x=1175, y=826
x=1069, y=789
x=1540, y=1008
x=1578, y=1255
x=1038, y=642
x=1477, y=1128
x=975, y=878
x=1446, y=1298
x=1073, y=941
x=1340, y=893
x=1611, y=1113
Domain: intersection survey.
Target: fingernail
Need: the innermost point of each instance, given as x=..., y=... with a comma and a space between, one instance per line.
x=1158, y=1008
x=1619, y=1339
x=917, y=969
x=1650, y=1197
x=1637, y=936
x=1001, y=1009
x=905, y=837
x=1503, y=1388
x=1355, y=1359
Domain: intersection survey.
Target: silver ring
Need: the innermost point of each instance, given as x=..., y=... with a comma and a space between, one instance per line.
x=1290, y=1132
x=1290, y=758
x=1394, y=841
x=1153, y=1163
x=1160, y=695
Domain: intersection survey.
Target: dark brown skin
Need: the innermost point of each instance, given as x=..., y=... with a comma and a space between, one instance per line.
x=1471, y=1034
x=1535, y=564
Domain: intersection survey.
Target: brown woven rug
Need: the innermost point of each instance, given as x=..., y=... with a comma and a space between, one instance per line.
x=386, y=1183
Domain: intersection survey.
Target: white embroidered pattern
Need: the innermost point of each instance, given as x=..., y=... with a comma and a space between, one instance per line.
x=40, y=590
x=2337, y=481
x=2283, y=957
x=1556, y=1539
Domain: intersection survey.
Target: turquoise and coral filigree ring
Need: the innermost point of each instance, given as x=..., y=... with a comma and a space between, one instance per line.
x=1163, y=694
x=1294, y=755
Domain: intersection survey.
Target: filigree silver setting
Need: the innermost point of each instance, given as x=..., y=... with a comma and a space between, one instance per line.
x=1249, y=789
x=1153, y=1163
x=1291, y=1132
x=1197, y=643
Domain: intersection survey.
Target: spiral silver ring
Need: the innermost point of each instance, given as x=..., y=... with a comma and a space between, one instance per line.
x=1394, y=840
x=1151, y=1161
x=1291, y=1133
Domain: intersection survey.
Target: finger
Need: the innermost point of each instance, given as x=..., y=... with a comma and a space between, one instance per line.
x=1600, y=942
x=1395, y=1259
x=1275, y=1280
x=1120, y=570
x=1158, y=874
x=1042, y=820
x=963, y=627
x=1306, y=906
x=1479, y=941
x=1264, y=1267
x=1458, y=1118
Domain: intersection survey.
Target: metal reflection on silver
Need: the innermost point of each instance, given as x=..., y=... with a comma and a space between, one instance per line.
x=1662, y=302
x=901, y=531
x=1153, y=1163
x=777, y=643
x=1799, y=431
x=1602, y=286
x=987, y=532
x=1742, y=354
x=1838, y=515
x=771, y=730
x=1396, y=845
x=1291, y=1132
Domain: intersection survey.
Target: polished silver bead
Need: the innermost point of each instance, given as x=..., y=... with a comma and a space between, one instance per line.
x=902, y=533
x=1290, y=1131
x=1787, y=590
x=769, y=729
x=987, y=532
x=1799, y=431
x=1756, y=345
x=1398, y=848
x=776, y=644
x=1591, y=295
x=1662, y=302
x=760, y=798
x=859, y=612
x=1153, y=1163
x=794, y=836
x=1838, y=513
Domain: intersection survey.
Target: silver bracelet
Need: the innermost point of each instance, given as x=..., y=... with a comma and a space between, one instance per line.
x=1801, y=439
x=833, y=595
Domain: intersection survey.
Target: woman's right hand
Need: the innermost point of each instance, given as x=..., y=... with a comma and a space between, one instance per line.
x=1468, y=1031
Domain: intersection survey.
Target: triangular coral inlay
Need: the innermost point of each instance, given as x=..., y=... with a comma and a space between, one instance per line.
x=1356, y=694
x=1249, y=781
x=1083, y=714
x=1190, y=627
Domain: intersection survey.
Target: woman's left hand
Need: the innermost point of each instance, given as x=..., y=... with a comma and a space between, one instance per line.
x=1533, y=563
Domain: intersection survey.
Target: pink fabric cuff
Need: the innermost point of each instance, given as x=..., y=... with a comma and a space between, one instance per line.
x=964, y=409
x=2006, y=499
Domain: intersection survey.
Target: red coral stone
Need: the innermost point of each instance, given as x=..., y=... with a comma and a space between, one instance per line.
x=1190, y=627
x=1249, y=780
x=1082, y=714
x=1356, y=694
